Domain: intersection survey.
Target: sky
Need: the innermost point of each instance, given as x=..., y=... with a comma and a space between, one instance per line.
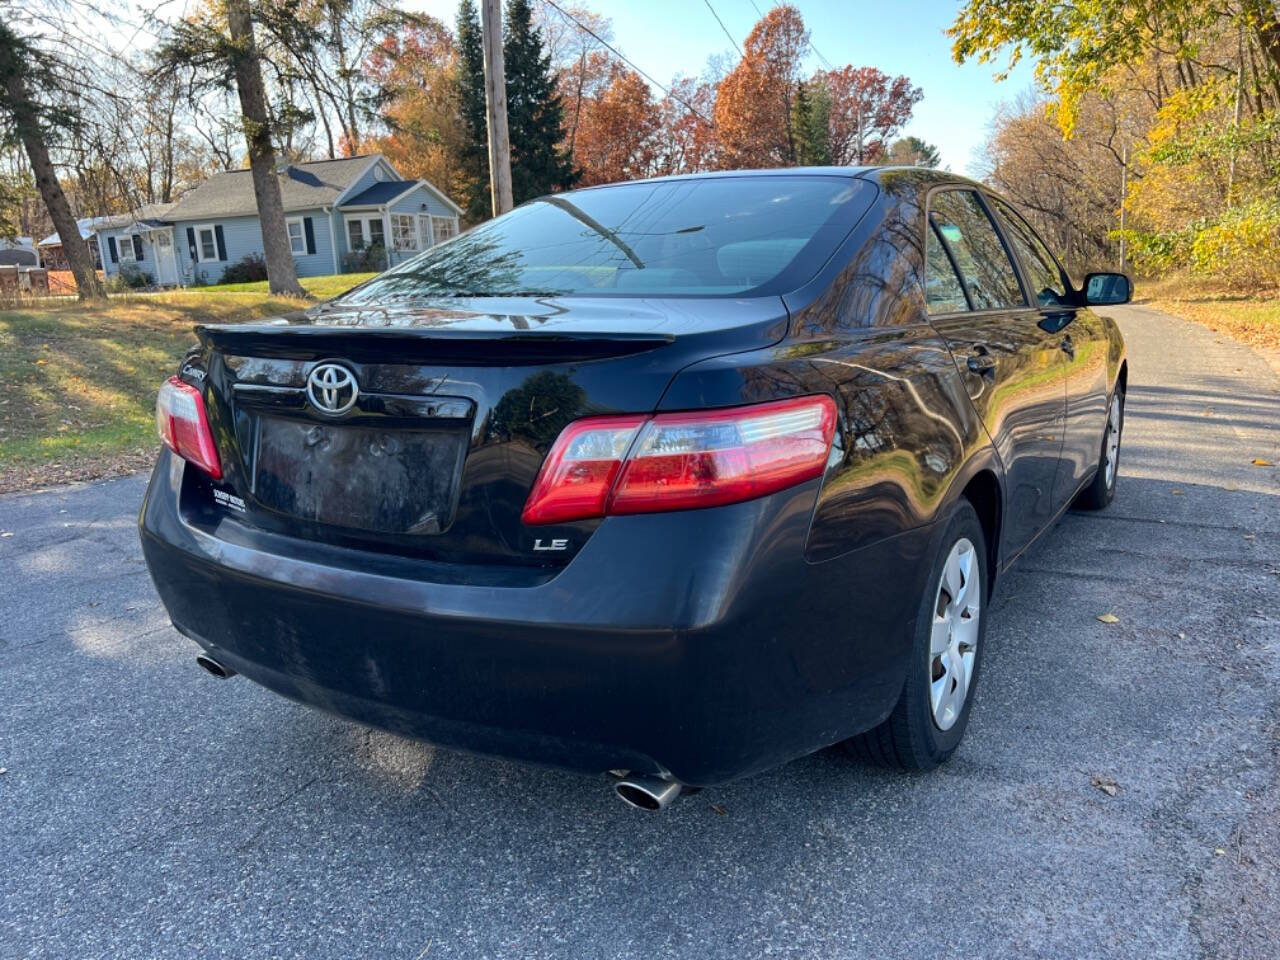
x=670, y=37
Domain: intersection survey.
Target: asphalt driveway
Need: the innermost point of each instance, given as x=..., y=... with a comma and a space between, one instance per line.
x=148, y=810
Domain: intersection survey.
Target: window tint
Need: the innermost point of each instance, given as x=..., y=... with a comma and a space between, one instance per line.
x=717, y=236
x=1043, y=274
x=942, y=290
x=985, y=267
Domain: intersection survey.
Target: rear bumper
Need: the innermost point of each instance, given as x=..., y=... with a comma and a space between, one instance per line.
x=699, y=644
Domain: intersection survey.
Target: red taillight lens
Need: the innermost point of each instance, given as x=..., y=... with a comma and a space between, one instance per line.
x=184, y=427
x=680, y=461
x=579, y=472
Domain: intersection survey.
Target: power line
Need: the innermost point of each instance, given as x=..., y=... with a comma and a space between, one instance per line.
x=604, y=43
x=724, y=28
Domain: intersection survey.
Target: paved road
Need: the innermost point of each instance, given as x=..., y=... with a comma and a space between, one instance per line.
x=150, y=811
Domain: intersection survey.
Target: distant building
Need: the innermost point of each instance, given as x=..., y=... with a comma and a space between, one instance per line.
x=333, y=209
x=19, y=252
x=51, y=252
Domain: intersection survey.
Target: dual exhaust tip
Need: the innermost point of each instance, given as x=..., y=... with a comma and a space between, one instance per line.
x=650, y=794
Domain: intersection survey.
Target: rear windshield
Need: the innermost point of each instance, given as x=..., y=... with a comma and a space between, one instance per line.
x=702, y=237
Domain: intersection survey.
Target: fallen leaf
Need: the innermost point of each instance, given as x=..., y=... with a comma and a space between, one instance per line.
x=1108, y=618
x=1176, y=492
x=720, y=809
x=1259, y=462
x=7, y=533
x=1218, y=851
x=1229, y=486
x=1105, y=784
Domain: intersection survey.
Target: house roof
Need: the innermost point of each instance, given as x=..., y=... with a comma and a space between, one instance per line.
x=86, y=224
x=380, y=193
x=302, y=186
x=147, y=215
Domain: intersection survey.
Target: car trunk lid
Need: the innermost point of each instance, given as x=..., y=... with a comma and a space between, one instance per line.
x=454, y=406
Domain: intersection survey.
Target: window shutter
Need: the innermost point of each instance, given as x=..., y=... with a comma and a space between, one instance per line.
x=310, y=230
x=111, y=248
x=137, y=247
x=222, y=243
x=191, y=244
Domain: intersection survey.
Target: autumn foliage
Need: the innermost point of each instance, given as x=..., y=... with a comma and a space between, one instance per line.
x=764, y=112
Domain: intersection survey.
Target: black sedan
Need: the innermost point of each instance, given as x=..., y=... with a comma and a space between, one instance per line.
x=679, y=479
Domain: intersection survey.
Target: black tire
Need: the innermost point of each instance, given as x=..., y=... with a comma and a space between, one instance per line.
x=1102, y=490
x=911, y=739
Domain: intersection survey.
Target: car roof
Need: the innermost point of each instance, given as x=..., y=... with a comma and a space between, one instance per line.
x=874, y=174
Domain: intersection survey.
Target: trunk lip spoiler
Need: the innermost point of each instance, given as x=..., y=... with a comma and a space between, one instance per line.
x=370, y=344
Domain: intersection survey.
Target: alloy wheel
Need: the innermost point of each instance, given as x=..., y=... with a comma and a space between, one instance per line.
x=1113, y=440
x=954, y=637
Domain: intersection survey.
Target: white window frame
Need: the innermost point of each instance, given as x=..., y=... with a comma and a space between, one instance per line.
x=123, y=243
x=453, y=226
x=301, y=238
x=401, y=233
x=213, y=239
x=366, y=235
x=426, y=235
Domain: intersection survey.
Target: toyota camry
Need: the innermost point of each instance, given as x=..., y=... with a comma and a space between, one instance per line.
x=678, y=479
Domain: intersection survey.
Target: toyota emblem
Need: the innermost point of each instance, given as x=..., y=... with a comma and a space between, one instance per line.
x=332, y=389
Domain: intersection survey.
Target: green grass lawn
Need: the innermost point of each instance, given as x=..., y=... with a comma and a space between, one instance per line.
x=79, y=383
x=322, y=288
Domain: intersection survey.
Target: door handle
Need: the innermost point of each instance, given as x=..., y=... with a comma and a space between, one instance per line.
x=982, y=363
x=1068, y=347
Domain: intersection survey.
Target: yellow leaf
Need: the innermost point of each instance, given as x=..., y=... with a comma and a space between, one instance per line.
x=1108, y=618
x=1259, y=462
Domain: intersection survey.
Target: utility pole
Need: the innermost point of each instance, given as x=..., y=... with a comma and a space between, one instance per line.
x=1124, y=195
x=495, y=98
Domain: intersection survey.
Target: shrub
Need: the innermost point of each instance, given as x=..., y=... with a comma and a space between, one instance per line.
x=1242, y=247
x=369, y=259
x=129, y=278
x=248, y=269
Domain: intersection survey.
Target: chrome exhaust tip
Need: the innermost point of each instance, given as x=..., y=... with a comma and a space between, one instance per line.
x=213, y=667
x=647, y=793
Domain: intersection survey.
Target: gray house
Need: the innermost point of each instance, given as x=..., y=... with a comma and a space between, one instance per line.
x=333, y=209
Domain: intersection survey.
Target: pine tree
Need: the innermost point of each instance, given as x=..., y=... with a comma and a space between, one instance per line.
x=470, y=88
x=812, y=125
x=535, y=114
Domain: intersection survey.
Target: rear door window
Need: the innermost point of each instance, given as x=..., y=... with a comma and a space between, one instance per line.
x=968, y=234
x=1043, y=273
x=943, y=292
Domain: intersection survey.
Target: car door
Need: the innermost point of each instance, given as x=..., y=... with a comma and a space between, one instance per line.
x=1083, y=340
x=1013, y=368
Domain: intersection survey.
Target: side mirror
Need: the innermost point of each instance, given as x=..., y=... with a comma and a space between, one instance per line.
x=1107, y=289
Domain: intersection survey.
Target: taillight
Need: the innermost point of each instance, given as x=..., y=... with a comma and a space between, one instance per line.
x=678, y=461
x=184, y=427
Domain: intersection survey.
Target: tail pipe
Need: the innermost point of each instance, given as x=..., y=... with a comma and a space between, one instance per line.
x=647, y=793
x=213, y=667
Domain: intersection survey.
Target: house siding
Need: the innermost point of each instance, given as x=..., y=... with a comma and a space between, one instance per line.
x=242, y=236
x=147, y=264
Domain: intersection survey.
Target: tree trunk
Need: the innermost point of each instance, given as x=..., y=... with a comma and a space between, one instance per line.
x=76, y=248
x=337, y=28
x=282, y=273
